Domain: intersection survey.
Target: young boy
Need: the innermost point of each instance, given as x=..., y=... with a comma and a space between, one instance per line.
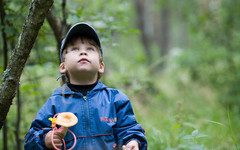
x=105, y=117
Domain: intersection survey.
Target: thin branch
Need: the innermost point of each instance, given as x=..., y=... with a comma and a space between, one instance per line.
x=64, y=11
x=17, y=130
x=58, y=26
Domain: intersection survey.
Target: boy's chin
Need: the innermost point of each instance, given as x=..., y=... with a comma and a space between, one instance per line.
x=86, y=74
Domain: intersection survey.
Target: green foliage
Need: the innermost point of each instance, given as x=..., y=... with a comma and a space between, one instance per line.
x=182, y=106
x=177, y=110
x=214, y=66
x=212, y=57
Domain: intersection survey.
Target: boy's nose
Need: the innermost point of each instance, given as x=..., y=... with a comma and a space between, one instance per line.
x=83, y=52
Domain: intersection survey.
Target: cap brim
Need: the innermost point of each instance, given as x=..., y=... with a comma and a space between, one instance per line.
x=80, y=29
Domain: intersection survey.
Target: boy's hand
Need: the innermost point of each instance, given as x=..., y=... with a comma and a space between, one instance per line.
x=57, y=138
x=132, y=145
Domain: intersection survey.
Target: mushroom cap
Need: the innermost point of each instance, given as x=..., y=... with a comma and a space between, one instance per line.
x=66, y=119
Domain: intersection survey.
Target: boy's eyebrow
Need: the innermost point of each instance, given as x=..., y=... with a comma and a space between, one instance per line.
x=92, y=44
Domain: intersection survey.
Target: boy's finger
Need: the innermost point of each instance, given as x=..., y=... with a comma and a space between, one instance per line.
x=57, y=137
x=59, y=134
x=57, y=141
x=125, y=147
x=58, y=145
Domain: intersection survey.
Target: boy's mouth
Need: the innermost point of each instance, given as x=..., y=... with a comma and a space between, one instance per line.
x=83, y=60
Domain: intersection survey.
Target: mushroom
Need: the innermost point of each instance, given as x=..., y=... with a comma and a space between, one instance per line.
x=66, y=119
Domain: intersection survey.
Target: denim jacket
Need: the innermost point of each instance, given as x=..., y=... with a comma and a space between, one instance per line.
x=105, y=120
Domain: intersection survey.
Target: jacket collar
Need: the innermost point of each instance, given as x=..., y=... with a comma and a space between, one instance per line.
x=65, y=90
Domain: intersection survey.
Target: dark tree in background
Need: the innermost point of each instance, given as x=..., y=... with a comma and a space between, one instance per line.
x=162, y=32
x=140, y=6
x=154, y=26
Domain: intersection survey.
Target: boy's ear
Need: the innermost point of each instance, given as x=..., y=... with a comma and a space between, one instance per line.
x=62, y=68
x=101, y=68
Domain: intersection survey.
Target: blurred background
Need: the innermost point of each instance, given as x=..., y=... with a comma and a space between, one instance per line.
x=178, y=62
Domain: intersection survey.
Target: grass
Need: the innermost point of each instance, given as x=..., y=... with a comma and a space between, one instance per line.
x=189, y=117
x=176, y=112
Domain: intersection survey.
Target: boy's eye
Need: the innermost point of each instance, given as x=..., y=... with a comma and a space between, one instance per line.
x=90, y=48
x=74, y=49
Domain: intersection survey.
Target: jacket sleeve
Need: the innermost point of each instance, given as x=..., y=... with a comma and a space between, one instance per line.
x=35, y=138
x=127, y=128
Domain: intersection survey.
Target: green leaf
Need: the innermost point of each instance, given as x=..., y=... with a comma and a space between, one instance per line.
x=195, y=132
x=188, y=137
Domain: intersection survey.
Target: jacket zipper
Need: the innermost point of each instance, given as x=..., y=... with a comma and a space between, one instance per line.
x=88, y=123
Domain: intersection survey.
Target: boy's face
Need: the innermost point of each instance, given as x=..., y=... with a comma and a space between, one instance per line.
x=81, y=61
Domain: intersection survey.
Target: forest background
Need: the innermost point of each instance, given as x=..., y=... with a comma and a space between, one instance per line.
x=178, y=62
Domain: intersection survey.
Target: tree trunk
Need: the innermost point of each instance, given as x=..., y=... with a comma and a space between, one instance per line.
x=162, y=30
x=140, y=8
x=11, y=76
x=164, y=40
x=5, y=51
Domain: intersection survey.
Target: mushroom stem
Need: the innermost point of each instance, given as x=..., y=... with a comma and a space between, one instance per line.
x=62, y=130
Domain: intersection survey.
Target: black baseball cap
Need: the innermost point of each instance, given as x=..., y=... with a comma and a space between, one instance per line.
x=81, y=29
